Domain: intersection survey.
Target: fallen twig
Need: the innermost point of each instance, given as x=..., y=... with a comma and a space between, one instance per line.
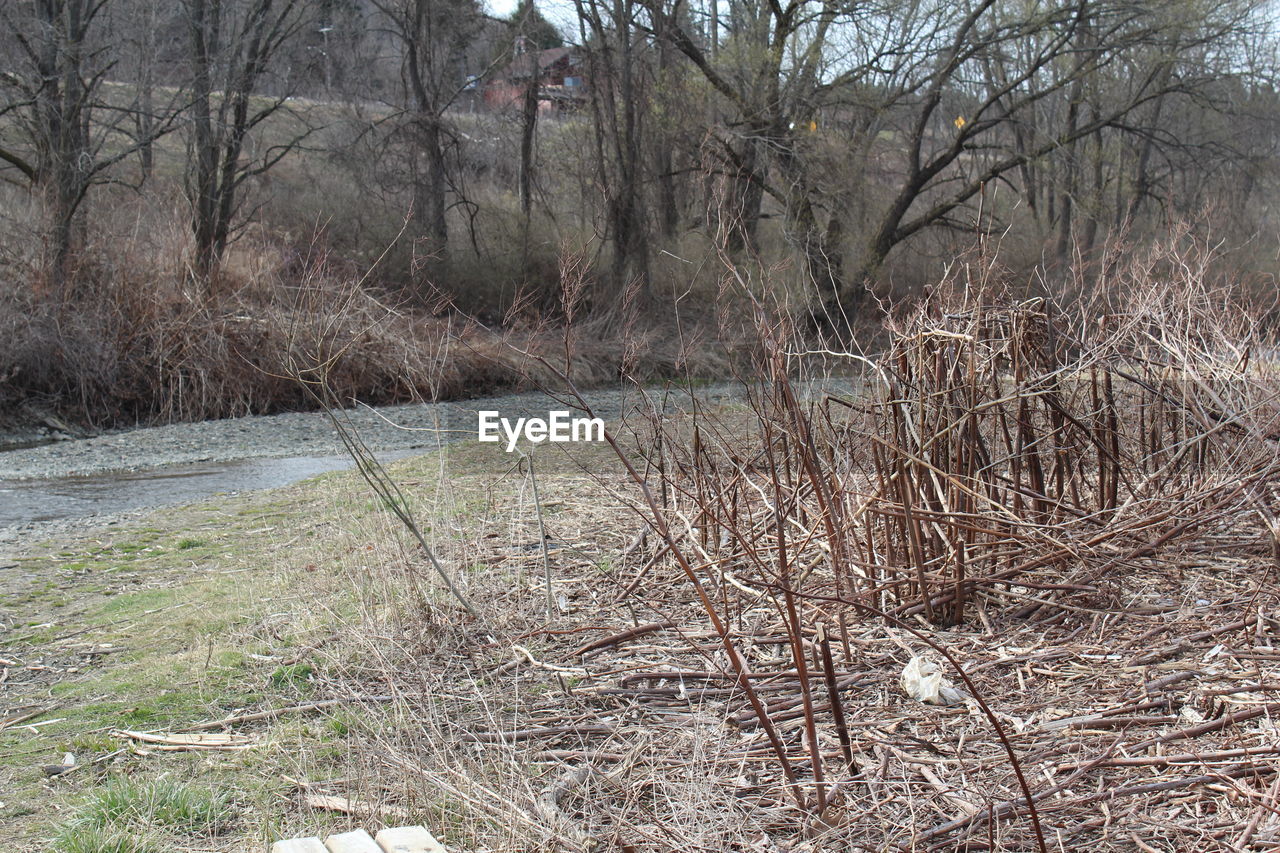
x=182, y=742
x=530, y=734
x=344, y=805
x=1178, y=758
x=280, y=712
x=620, y=637
x=1211, y=726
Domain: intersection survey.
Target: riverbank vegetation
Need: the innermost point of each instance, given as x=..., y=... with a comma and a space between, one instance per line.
x=694, y=635
x=984, y=559
x=189, y=187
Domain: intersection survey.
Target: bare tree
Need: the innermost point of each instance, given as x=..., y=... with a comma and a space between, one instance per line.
x=233, y=45
x=137, y=30
x=955, y=96
x=528, y=34
x=69, y=133
x=617, y=67
x=432, y=36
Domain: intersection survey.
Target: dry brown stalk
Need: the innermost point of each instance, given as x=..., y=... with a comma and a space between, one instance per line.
x=620, y=637
x=1059, y=503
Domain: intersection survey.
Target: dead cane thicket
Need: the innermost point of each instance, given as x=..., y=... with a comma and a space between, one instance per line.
x=1001, y=458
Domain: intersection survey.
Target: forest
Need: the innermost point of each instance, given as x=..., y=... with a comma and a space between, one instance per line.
x=194, y=189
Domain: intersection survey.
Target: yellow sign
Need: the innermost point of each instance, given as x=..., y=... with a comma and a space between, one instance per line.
x=959, y=122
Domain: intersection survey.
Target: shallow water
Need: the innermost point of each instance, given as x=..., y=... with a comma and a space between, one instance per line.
x=24, y=501
x=23, y=444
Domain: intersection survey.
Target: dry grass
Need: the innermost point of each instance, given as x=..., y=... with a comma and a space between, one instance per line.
x=493, y=714
x=134, y=337
x=723, y=671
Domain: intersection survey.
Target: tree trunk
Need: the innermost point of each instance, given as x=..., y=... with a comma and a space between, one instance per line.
x=1069, y=192
x=819, y=248
x=203, y=26
x=528, y=127
x=630, y=239
x=744, y=197
x=1142, y=178
x=429, y=190
x=662, y=143
x=146, y=121
x=61, y=113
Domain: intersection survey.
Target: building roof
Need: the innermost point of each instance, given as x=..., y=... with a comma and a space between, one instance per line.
x=522, y=65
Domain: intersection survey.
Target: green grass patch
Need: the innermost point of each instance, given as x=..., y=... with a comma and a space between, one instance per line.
x=137, y=603
x=197, y=611
x=92, y=839
x=160, y=803
x=297, y=675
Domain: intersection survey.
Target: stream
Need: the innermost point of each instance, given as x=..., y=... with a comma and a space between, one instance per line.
x=47, y=482
x=36, y=501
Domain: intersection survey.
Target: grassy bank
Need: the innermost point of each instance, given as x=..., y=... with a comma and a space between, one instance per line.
x=333, y=683
x=230, y=607
x=157, y=625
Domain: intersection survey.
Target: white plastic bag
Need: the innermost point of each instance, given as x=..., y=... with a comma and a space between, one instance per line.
x=922, y=680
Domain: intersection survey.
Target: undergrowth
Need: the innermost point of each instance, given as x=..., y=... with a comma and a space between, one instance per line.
x=1034, y=493
x=133, y=336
